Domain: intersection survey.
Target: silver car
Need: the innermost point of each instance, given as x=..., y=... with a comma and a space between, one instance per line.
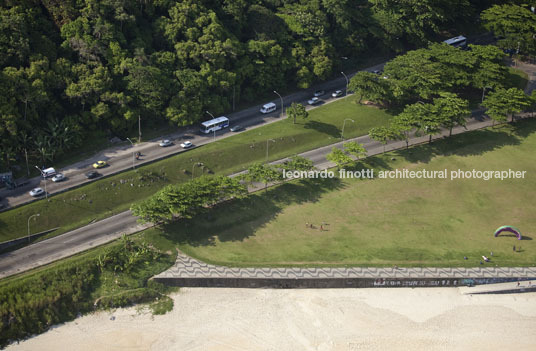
x=58, y=177
x=36, y=192
x=165, y=143
x=314, y=101
x=336, y=93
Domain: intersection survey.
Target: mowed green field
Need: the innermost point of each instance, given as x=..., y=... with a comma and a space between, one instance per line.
x=385, y=222
x=102, y=198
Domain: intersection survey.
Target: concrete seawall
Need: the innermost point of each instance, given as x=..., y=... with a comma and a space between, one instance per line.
x=189, y=272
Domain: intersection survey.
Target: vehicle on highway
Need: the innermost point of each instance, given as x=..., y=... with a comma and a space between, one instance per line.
x=458, y=42
x=186, y=144
x=377, y=71
x=236, y=128
x=58, y=177
x=269, y=107
x=214, y=124
x=165, y=143
x=314, y=101
x=48, y=172
x=319, y=93
x=36, y=192
x=100, y=164
x=336, y=93
x=92, y=174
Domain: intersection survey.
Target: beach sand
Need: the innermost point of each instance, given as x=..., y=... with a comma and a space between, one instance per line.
x=324, y=319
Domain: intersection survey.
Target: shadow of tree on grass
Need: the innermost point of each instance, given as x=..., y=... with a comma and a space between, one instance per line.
x=325, y=128
x=239, y=219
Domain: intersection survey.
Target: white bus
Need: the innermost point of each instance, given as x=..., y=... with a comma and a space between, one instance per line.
x=215, y=124
x=458, y=42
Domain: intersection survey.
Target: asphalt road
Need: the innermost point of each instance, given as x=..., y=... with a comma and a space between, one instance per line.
x=121, y=158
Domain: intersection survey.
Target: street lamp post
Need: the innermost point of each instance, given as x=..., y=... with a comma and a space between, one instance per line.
x=199, y=164
x=34, y=215
x=483, y=91
x=343, y=124
x=281, y=102
x=272, y=140
x=345, y=76
x=45, y=178
x=133, y=158
x=211, y=115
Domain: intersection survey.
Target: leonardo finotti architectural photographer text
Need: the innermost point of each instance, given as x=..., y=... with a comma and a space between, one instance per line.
x=369, y=173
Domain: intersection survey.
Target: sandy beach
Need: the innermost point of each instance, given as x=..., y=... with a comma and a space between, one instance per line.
x=327, y=319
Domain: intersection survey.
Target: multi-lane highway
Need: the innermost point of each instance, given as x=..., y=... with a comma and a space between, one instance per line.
x=121, y=158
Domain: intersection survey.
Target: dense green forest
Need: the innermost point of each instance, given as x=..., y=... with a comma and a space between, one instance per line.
x=70, y=67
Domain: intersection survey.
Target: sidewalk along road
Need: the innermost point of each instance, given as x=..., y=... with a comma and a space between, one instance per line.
x=107, y=230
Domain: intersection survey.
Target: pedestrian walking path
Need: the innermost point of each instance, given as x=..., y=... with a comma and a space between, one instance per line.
x=188, y=267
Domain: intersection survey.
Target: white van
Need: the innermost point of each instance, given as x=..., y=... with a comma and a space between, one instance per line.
x=49, y=172
x=269, y=107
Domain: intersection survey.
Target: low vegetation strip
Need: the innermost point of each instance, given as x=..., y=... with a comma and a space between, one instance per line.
x=112, y=276
x=112, y=195
x=384, y=222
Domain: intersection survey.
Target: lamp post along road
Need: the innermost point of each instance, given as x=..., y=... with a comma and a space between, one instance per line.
x=343, y=124
x=483, y=91
x=133, y=158
x=345, y=76
x=45, y=178
x=272, y=140
x=281, y=114
x=34, y=215
x=214, y=130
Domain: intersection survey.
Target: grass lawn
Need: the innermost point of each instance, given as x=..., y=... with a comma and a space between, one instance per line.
x=105, y=197
x=408, y=222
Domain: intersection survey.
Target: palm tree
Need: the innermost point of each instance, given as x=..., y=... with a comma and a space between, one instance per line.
x=42, y=143
x=24, y=140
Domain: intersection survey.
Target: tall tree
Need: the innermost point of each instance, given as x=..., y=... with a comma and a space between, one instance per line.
x=382, y=135
x=503, y=102
x=297, y=110
x=355, y=149
x=451, y=110
x=265, y=173
x=369, y=86
x=515, y=25
x=338, y=157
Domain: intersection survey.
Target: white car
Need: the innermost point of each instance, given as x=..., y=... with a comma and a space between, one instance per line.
x=336, y=93
x=58, y=177
x=36, y=192
x=165, y=143
x=314, y=101
x=186, y=144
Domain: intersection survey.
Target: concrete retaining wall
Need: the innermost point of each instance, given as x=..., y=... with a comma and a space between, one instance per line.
x=320, y=283
x=21, y=241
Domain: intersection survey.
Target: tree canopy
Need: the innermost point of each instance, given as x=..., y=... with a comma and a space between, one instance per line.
x=91, y=65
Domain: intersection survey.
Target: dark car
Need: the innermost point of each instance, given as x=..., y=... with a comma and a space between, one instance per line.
x=92, y=174
x=319, y=93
